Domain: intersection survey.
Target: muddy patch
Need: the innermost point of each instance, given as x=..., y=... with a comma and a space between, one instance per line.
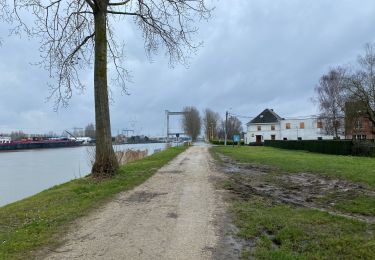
x=171, y=172
x=143, y=196
x=230, y=246
x=302, y=189
x=306, y=187
x=172, y=215
x=183, y=161
x=230, y=166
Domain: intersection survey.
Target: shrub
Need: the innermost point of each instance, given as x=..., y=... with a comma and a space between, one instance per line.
x=221, y=142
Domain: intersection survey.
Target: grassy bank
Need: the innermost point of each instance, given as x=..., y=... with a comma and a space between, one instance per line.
x=37, y=222
x=279, y=231
x=297, y=209
x=357, y=169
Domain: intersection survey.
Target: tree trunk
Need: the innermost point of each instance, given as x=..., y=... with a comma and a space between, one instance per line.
x=105, y=159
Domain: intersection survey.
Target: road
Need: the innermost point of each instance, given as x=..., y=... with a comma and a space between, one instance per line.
x=171, y=216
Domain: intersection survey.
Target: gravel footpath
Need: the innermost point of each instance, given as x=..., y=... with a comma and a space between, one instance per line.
x=171, y=216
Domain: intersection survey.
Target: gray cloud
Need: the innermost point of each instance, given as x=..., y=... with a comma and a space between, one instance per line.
x=256, y=54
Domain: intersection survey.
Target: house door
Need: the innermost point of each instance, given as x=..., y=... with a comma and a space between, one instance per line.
x=258, y=139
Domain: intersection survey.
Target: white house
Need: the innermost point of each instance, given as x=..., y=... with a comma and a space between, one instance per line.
x=270, y=126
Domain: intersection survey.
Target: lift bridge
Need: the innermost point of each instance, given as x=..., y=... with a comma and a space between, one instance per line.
x=167, y=114
x=127, y=131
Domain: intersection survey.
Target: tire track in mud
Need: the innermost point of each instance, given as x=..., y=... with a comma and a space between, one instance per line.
x=298, y=189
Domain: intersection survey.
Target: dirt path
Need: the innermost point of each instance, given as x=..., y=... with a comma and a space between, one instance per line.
x=171, y=216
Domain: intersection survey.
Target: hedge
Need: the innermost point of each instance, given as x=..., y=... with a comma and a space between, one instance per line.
x=338, y=147
x=221, y=142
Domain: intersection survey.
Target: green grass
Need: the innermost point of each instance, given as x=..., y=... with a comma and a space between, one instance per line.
x=280, y=231
x=356, y=169
x=358, y=204
x=37, y=222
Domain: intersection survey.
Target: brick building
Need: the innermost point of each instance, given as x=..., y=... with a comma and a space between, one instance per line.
x=359, y=128
x=357, y=124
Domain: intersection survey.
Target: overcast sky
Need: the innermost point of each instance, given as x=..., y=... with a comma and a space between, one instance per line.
x=257, y=54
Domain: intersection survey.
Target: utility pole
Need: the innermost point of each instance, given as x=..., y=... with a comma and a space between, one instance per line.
x=225, y=128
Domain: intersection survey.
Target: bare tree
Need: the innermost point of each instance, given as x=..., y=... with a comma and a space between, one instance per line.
x=211, y=122
x=360, y=85
x=191, y=122
x=331, y=100
x=234, y=127
x=90, y=130
x=75, y=33
x=17, y=135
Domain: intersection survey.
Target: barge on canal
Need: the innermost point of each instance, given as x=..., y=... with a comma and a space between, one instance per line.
x=37, y=143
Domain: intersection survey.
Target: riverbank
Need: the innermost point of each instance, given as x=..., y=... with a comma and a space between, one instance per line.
x=29, y=226
x=22, y=171
x=299, y=205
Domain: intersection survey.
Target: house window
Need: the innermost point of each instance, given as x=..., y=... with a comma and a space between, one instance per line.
x=299, y=138
x=358, y=124
x=287, y=126
x=320, y=138
x=273, y=127
x=273, y=137
x=302, y=125
x=319, y=124
x=259, y=128
x=285, y=139
x=359, y=137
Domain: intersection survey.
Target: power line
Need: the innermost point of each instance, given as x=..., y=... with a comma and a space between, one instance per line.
x=240, y=116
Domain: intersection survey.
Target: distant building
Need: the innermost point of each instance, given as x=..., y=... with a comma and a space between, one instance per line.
x=270, y=126
x=362, y=129
x=357, y=124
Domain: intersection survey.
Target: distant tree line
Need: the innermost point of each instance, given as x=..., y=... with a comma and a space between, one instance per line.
x=347, y=93
x=19, y=135
x=89, y=131
x=213, y=125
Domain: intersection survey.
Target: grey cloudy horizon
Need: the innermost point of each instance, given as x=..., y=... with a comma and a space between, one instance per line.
x=256, y=54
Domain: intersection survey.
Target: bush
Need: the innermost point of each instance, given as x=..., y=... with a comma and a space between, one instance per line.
x=339, y=147
x=221, y=142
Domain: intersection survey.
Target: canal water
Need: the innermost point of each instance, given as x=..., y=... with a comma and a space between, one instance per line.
x=27, y=172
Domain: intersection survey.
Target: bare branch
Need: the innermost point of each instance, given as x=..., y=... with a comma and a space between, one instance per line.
x=67, y=27
x=119, y=3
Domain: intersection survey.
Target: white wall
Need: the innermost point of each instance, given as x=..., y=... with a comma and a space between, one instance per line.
x=265, y=132
x=309, y=132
